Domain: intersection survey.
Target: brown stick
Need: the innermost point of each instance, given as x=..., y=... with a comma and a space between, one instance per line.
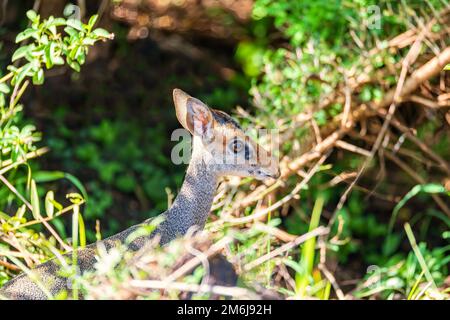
x=9, y=265
x=288, y=246
x=427, y=71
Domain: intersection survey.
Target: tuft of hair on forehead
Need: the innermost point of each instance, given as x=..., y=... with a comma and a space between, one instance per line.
x=225, y=119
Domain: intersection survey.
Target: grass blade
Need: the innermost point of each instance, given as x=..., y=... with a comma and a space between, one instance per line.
x=308, y=250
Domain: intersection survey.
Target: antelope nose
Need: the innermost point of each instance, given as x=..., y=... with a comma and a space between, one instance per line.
x=273, y=173
x=277, y=174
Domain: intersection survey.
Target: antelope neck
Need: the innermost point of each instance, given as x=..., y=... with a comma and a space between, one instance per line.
x=193, y=203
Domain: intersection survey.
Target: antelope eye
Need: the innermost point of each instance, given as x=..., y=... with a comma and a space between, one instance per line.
x=236, y=145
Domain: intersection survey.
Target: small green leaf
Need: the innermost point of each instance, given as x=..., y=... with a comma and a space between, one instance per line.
x=11, y=68
x=92, y=21
x=89, y=41
x=102, y=33
x=27, y=33
x=58, y=22
x=294, y=265
x=427, y=188
x=32, y=15
x=23, y=72
x=81, y=57
x=49, y=55
x=57, y=205
x=2, y=100
x=47, y=176
x=49, y=207
x=20, y=53
x=44, y=39
x=4, y=88
x=74, y=65
x=38, y=51
x=73, y=53
x=71, y=31
x=21, y=211
x=75, y=23
x=35, y=201
x=77, y=184
x=53, y=30
x=75, y=198
x=38, y=77
x=58, y=60
x=82, y=231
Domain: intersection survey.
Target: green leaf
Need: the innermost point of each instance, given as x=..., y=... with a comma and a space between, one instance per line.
x=24, y=71
x=48, y=176
x=44, y=39
x=58, y=22
x=74, y=65
x=32, y=15
x=58, y=60
x=11, y=68
x=71, y=31
x=102, y=33
x=73, y=52
x=20, y=53
x=49, y=207
x=447, y=67
x=27, y=33
x=77, y=183
x=4, y=88
x=57, y=205
x=38, y=51
x=81, y=57
x=75, y=198
x=21, y=211
x=53, y=30
x=427, y=188
x=75, y=23
x=38, y=77
x=49, y=52
x=35, y=201
x=82, y=231
x=308, y=250
x=2, y=100
x=391, y=244
x=92, y=21
x=89, y=41
x=294, y=265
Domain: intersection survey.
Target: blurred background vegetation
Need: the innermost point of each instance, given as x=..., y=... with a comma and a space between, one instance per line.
x=291, y=65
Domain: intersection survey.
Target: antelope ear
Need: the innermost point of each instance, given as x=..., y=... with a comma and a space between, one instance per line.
x=193, y=114
x=180, y=100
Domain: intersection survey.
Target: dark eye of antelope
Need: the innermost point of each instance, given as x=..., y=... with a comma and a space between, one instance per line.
x=236, y=145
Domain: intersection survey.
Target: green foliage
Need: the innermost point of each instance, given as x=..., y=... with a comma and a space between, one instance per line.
x=427, y=188
x=301, y=20
x=117, y=155
x=23, y=212
x=49, y=47
x=405, y=275
x=322, y=45
x=300, y=54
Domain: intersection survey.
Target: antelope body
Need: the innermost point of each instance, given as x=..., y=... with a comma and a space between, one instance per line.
x=220, y=147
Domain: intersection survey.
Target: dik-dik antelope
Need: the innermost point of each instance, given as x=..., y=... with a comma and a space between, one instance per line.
x=220, y=147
